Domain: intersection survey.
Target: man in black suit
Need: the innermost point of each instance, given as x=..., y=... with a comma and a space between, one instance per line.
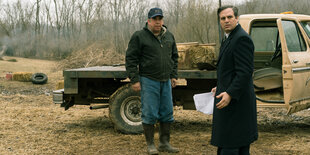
x=234, y=125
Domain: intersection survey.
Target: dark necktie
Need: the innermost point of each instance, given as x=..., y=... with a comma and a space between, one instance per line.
x=225, y=37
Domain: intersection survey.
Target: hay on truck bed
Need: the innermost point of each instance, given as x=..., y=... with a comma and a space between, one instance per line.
x=193, y=55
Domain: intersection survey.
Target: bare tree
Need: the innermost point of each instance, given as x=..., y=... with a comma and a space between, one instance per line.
x=37, y=24
x=131, y=11
x=55, y=28
x=174, y=10
x=87, y=13
x=115, y=8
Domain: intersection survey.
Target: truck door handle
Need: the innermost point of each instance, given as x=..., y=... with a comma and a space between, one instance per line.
x=295, y=61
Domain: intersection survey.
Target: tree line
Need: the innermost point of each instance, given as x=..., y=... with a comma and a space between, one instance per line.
x=52, y=29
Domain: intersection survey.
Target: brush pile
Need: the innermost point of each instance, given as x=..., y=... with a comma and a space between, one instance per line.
x=93, y=55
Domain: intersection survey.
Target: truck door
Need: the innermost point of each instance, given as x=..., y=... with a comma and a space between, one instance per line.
x=295, y=65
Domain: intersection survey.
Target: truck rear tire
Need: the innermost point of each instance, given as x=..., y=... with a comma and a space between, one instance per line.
x=125, y=110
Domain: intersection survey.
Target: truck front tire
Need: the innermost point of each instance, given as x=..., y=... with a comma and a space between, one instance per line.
x=125, y=110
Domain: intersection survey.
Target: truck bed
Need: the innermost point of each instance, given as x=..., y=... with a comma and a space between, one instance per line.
x=120, y=72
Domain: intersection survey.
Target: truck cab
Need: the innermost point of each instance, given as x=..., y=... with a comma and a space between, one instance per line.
x=282, y=59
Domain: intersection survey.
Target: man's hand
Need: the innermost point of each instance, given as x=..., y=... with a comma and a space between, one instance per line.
x=136, y=86
x=224, y=101
x=173, y=82
x=213, y=90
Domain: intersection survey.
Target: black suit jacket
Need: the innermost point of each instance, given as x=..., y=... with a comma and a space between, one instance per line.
x=235, y=125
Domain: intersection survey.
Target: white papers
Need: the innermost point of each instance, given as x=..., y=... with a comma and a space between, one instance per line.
x=204, y=102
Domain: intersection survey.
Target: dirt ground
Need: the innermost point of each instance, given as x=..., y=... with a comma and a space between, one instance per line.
x=32, y=124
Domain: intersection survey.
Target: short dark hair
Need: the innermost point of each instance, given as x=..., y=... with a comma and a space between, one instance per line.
x=235, y=9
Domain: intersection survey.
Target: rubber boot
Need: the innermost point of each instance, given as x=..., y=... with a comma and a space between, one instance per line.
x=164, y=138
x=149, y=137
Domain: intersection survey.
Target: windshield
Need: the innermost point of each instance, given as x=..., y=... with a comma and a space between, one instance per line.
x=306, y=26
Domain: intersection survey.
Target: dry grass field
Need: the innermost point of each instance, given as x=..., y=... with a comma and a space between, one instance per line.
x=31, y=124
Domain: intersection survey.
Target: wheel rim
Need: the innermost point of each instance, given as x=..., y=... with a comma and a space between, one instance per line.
x=131, y=110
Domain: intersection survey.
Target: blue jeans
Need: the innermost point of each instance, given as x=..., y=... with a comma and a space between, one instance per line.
x=156, y=100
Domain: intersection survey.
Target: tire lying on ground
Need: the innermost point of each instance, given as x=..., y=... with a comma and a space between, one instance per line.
x=39, y=78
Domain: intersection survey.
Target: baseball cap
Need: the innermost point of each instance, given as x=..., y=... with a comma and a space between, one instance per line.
x=155, y=12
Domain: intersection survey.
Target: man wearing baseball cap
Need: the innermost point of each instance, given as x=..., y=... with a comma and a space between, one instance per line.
x=151, y=64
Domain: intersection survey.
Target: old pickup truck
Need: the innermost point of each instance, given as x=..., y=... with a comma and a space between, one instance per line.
x=281, y=76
